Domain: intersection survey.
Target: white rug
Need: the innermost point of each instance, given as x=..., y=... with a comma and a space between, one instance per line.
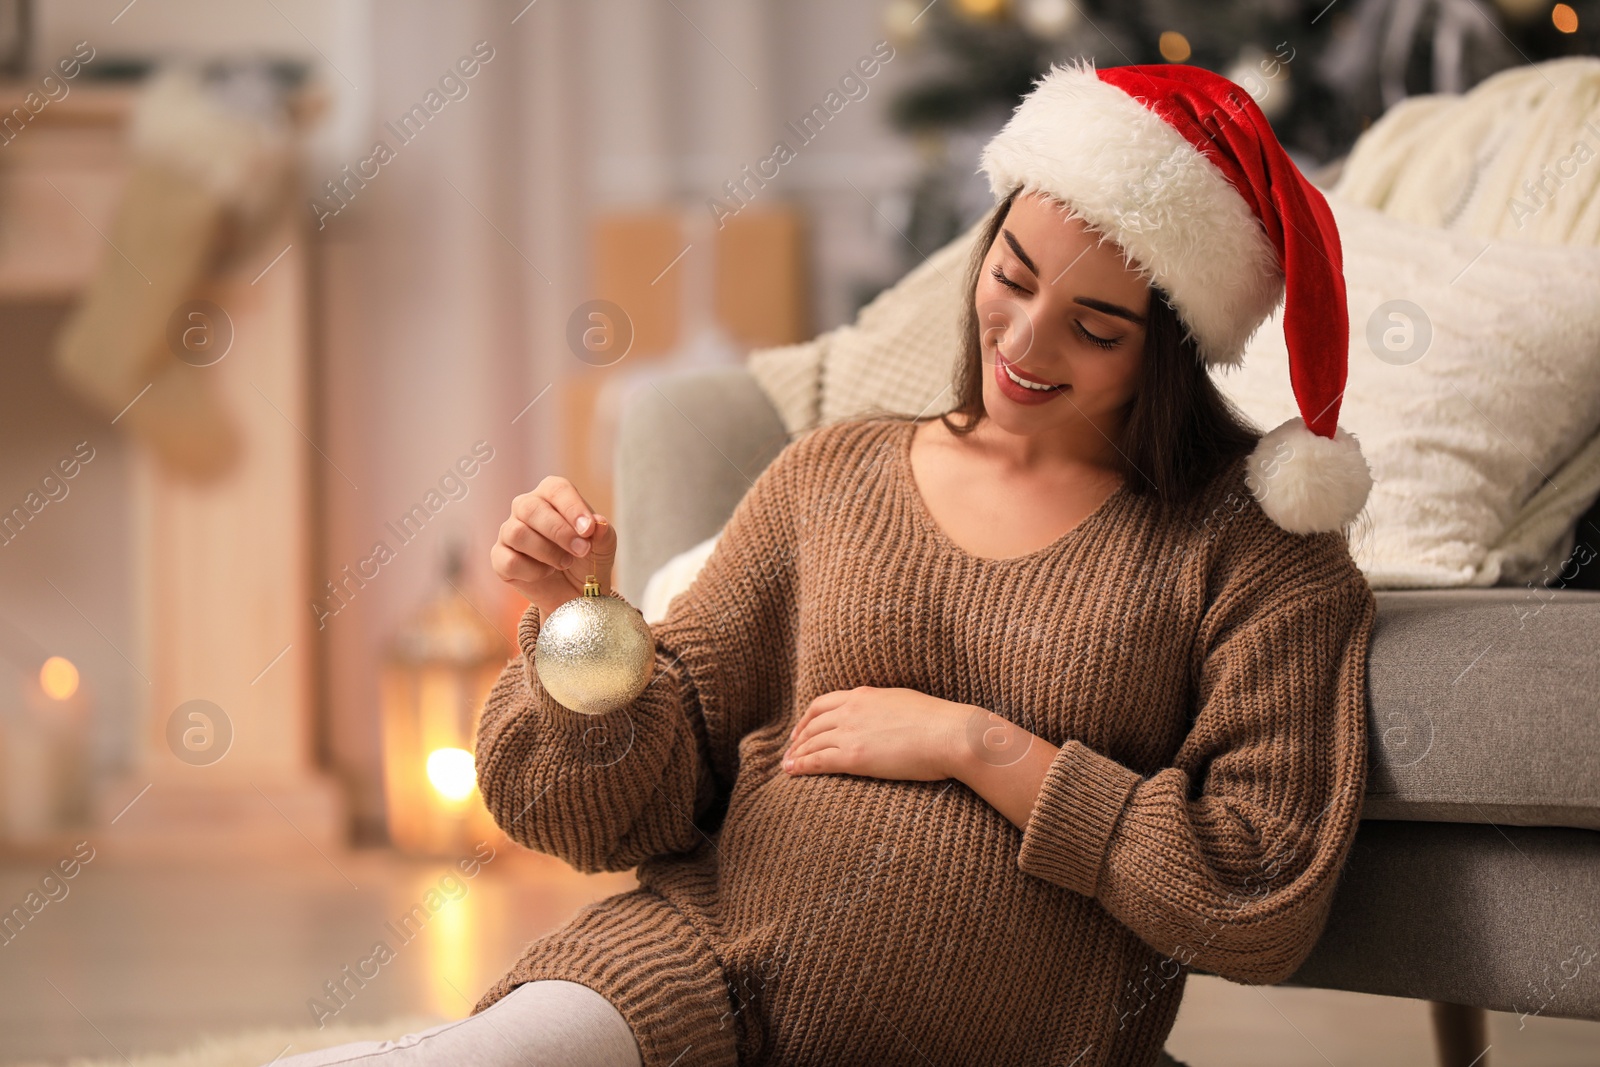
x=254, y=1048
x=257, y=1048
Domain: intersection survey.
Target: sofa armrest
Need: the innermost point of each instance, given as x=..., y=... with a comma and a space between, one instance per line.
x=688, y=447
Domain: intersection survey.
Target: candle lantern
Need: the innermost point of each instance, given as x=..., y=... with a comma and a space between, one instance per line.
x=44, y=755
x=439, y=670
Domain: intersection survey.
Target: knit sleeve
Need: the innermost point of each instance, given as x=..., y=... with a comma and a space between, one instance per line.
x=606, y=792
x=1228, y=859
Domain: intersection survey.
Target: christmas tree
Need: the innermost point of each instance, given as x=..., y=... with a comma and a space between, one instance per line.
x=1321, y=72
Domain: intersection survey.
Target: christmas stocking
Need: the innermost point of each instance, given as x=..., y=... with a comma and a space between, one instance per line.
x=203, y=169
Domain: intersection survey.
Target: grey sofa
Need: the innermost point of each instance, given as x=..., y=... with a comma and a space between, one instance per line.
x=1474, y=880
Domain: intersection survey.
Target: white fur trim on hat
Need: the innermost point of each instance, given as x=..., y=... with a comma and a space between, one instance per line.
x=1305, y=482
x=1137, y=180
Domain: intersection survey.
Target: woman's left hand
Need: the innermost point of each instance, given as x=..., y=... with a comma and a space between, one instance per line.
x=900, y=734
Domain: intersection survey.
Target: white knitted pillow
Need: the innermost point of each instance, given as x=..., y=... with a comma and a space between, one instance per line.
x=1463, y=428
x=1460, y=441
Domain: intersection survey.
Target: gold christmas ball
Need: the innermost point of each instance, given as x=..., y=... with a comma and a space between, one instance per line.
x=595, y=653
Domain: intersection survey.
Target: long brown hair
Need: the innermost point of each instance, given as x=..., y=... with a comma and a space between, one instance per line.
x=1181, y=432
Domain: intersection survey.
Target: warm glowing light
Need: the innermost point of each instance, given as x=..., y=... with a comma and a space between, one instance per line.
x=451, y=772
x=1565, y=19
x=1174, y=46
x=58, y=678
x=453, y=940
x=982, y=9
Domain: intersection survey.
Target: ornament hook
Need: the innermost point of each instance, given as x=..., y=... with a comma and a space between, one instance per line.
x=591, y=584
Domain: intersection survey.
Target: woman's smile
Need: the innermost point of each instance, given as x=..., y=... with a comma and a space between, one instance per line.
x=1023, y=388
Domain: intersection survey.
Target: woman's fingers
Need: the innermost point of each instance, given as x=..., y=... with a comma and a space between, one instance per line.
x=817, y=752
x=553, y=539
x=550, y=511
x=576, y=518
x=522, y=539
x=825, y=702
x=551, y=529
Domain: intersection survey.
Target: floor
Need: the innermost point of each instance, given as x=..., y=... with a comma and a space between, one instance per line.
x=143, y=957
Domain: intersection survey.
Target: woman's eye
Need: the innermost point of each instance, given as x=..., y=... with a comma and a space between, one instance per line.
x=1100, y=342
x=1000, y=276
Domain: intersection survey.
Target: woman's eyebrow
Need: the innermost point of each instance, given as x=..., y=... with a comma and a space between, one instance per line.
x=1097, y=304
x=1110, y=309
x=1017, y=248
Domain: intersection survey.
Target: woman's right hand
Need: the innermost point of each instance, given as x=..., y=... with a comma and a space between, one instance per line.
x=551, y=543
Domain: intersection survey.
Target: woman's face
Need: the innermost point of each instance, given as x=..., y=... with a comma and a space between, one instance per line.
x=1065, y=308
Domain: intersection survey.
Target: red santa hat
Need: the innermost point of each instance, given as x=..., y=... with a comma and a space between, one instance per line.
x=1179, y=166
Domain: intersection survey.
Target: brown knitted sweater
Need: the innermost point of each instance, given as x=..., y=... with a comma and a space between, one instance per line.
x=1203, y=670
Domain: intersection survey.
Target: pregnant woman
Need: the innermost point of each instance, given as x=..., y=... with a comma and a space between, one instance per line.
x=976, y=733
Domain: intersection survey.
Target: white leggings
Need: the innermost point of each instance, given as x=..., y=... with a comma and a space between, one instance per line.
x=548, y=1023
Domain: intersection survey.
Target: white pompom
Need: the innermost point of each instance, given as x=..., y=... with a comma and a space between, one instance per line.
x=1307, y=483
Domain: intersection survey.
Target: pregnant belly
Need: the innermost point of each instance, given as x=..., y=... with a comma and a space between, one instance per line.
x=898, y=908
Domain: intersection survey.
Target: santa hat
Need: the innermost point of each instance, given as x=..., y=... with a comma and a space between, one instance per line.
x=1180, y=167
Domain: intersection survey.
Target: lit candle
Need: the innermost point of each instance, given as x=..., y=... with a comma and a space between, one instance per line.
x=44, y=753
